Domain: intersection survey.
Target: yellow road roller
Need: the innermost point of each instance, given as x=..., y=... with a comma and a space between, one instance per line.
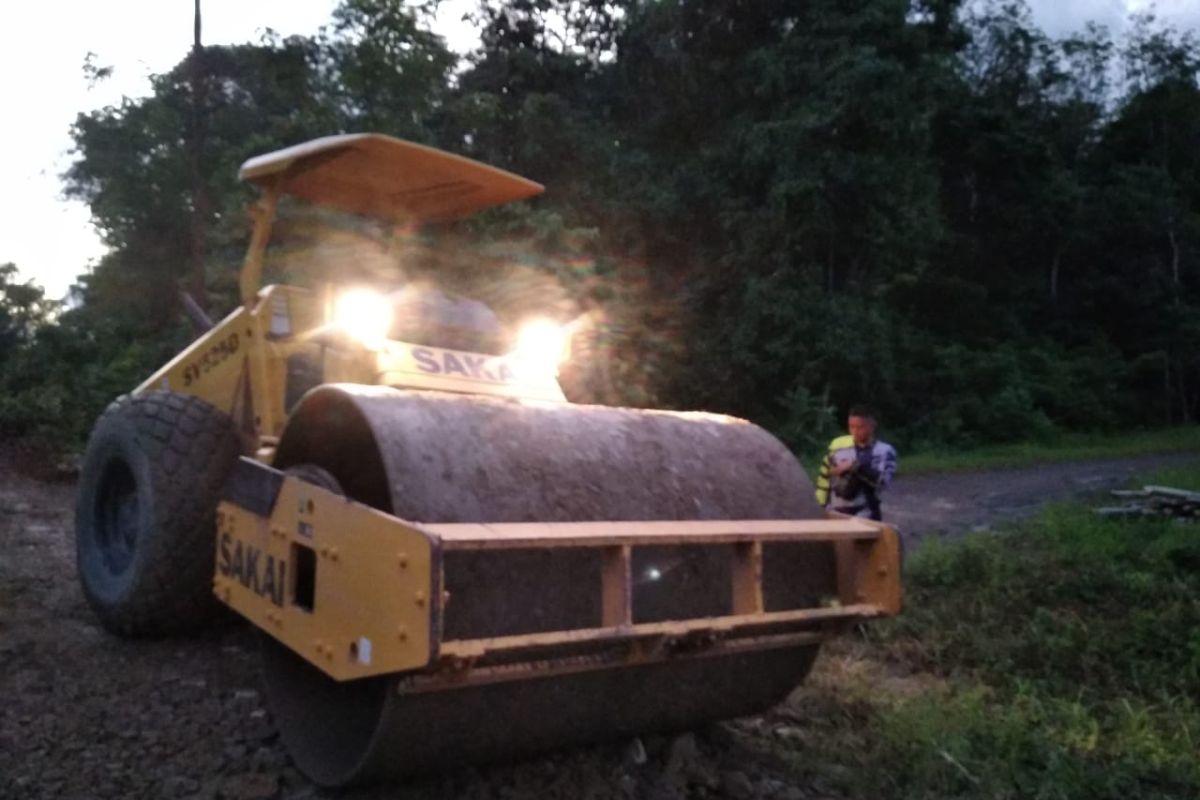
x=446, y=560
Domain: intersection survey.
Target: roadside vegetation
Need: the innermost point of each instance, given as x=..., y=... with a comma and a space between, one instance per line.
x=1059, y=659
x=1062, y=448
x=1065, y=447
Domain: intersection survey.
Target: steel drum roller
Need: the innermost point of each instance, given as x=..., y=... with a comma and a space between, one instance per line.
x=436, y=457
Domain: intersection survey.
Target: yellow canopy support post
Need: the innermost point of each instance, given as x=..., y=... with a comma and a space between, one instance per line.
x=250, y=280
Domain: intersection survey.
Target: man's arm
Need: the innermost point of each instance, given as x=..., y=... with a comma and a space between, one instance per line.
x=823, y=479
x=827, y=471
x=882, y=469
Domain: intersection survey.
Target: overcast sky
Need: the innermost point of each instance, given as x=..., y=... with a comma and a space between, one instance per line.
x=42, y=89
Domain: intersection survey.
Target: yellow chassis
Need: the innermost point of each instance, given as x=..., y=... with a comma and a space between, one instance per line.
x=240, y=365
x=357, y=592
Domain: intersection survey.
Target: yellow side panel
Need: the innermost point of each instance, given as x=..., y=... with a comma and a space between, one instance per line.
x=213, y=367
x=880, y=572
x=348, y=588
x=240, y=366
x=348, y=366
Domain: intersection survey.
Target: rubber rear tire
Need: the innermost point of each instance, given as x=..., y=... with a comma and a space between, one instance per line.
x=145, y=516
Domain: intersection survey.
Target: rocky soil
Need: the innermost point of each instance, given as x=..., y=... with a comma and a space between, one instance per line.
x=971, y=501
x=86, y=715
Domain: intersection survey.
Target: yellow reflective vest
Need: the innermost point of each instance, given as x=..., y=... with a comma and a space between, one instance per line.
x=871, y=479
x=823, y=477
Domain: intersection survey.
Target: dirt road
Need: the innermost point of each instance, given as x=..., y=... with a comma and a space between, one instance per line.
x=84, y=715
x=960, y=502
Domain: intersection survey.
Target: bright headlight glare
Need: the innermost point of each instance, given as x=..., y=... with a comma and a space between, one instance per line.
x=542, y=345
x=364, y=315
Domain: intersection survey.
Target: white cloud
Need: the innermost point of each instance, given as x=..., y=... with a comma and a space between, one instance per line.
x=1060, y=17
x=42, y=89
x=42, y=49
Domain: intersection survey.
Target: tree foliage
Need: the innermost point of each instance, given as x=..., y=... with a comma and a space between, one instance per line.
x=767, y=208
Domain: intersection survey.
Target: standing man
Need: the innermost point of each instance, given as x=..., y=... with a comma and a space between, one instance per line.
x=856, y=469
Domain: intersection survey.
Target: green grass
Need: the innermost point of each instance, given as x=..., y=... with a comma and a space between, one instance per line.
x=1060, y=660
x=1075, y=447
x=1176, y=477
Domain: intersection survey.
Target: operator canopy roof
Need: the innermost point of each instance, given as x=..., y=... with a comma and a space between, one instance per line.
x=380, y=176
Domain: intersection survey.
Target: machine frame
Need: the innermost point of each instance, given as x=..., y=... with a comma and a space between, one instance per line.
x=357, y=592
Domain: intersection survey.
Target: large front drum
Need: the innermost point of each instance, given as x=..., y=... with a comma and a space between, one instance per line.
x=436, y=457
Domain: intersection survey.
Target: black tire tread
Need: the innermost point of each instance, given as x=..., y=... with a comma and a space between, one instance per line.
x=191, y=447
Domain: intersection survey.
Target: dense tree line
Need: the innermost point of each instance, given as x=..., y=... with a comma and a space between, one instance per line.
x=755, y=206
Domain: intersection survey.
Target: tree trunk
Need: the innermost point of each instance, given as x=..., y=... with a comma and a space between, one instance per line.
x=1054, y=267
x=1167, y=385
x=830, y=259
x=195, y=146
x=973, y=202
x=1185, y=410
x=1174, y=256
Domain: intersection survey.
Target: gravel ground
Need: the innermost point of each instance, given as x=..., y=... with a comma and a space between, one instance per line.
x=86, y=715
x=959, y=502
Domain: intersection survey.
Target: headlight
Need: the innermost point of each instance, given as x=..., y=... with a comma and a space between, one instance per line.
x=541, y=346
x=364, y=315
